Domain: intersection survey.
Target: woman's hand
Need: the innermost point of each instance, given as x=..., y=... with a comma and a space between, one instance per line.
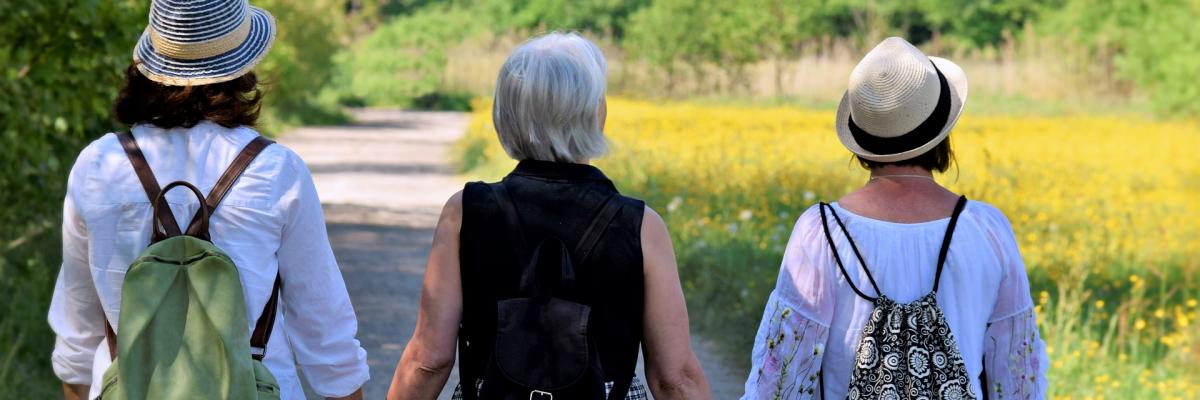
x=671, y=367
x=429, y=356
x=75, y=392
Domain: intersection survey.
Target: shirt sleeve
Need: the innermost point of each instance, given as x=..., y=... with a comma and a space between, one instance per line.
x=75, y=316
x=1015, y=358
x=318, y=316
x=791, y=339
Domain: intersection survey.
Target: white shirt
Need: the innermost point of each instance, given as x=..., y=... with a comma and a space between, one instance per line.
x=271, y=221
x=813, y=320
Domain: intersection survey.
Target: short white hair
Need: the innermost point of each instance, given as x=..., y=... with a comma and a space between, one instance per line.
x=547, y=99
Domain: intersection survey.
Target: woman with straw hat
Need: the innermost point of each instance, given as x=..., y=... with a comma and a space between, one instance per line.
x=192, y=101
x=901, y=289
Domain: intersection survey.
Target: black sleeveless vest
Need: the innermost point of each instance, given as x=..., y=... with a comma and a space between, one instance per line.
x=558, y=199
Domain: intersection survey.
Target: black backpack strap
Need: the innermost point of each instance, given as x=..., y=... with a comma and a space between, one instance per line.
x=110, y=337
x=821, y=384
x=838, y=258
x=983, y=379
x=958, y=209
x=596, y=228
x=163, y=216
x=226, y=181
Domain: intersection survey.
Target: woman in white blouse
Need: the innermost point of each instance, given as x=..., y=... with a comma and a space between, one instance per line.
x=191, y=116
x=895, y=118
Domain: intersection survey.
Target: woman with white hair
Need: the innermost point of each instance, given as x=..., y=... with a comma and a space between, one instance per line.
x=549, y=281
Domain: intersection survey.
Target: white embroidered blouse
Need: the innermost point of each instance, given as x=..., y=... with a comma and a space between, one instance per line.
x=813, y=319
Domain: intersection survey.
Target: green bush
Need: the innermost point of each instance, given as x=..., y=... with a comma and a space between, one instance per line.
x=403, y=60
x=62, y=63
x=301, y=63
x=1150, y=43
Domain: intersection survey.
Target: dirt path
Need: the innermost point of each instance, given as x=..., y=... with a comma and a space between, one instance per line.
x=383, y=181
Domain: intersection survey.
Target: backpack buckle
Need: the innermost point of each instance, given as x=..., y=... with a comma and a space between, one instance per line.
x=541, y=395
x=258, y=353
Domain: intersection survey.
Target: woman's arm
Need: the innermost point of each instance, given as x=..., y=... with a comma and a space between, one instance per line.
x=429, y=356
x=75, y=315
x=1014, y=358
x=671, y=368
x=318, y=319
x=789, y=348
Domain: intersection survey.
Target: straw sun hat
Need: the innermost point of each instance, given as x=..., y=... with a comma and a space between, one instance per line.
x=900, y=103
x=201, y=42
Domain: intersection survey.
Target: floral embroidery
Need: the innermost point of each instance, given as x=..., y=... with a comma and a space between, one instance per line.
x=790, y=367
x=1015, y=357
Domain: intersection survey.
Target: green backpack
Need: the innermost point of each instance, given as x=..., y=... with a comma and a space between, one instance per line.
x=183, y=314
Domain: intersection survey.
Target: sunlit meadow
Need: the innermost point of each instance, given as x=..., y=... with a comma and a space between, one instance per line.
x=1106, y=210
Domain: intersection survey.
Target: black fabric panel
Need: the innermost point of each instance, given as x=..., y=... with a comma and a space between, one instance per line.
x=556, y=199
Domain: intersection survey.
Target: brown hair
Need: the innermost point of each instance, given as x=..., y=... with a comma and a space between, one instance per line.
x=937, y=159
x=230, y=104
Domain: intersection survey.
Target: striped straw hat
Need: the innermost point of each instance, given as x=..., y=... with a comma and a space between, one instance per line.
x=900, y=103
x=201, y=42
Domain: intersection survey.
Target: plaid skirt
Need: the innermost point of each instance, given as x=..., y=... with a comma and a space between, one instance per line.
x=636, y=390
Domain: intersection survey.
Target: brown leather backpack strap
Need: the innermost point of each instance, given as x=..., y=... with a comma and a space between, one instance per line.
x=265, y=324
x=164, y=217
x=225, y=182
x=111, y=338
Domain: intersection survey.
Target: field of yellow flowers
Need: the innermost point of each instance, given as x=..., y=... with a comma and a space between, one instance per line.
x=1106, y=210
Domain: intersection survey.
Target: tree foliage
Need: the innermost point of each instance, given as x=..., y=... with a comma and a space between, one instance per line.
x=301, y=62
x=403, y=60
x=1152, y=43
x=62, y=63
x=606, y=17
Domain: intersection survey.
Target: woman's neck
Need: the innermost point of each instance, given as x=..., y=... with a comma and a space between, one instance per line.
x=897, y=171
x=900, y=194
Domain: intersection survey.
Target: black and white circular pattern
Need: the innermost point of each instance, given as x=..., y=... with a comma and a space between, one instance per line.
x=908, y=352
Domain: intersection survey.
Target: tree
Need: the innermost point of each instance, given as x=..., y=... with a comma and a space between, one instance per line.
x=301, y=61
x=61, y=62
x=698, y=34
x=607, y=17
x=405, y=58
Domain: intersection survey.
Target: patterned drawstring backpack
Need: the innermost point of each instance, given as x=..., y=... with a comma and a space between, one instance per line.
x=907, y=350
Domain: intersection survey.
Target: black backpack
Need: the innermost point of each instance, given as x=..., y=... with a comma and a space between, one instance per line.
x=542, y=349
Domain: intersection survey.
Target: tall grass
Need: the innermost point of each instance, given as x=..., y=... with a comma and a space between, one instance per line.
x=1037, y=75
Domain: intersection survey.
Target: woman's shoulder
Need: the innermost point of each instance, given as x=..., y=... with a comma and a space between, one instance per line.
x=808, y=232
x=277, y=154
x=809, y=220
x=987, y=215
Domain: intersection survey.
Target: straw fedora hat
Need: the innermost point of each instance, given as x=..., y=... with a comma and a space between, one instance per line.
x=201, y=42
x=900, y=103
